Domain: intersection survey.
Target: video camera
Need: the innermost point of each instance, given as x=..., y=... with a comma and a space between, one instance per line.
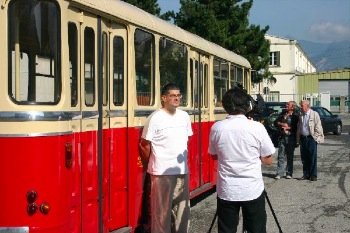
x=256, y=108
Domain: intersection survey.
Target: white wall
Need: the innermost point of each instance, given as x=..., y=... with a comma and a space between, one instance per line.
x=293, y=61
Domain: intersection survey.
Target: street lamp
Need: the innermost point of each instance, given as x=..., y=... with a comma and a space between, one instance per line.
x=294, y=86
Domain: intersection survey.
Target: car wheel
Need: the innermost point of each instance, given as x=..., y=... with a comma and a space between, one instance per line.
x=338, y=131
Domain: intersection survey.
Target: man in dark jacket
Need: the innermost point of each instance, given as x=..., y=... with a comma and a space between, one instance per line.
x=287, y=123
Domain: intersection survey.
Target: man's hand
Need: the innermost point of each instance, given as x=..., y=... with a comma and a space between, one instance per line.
x=145, y=149
x=266, y=160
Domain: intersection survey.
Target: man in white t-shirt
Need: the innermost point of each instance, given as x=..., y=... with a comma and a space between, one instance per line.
x=164, y=143
x=240, y=145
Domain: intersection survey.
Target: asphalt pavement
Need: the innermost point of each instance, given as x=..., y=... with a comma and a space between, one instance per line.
x=321, y=206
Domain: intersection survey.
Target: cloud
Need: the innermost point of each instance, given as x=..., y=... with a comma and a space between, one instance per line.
x=329, y=32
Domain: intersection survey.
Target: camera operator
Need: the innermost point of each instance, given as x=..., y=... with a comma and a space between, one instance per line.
x=287, y=123
x=240, y=145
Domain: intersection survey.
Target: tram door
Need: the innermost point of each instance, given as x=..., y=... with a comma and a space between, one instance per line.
x=114, y=120
x=82, y=47
x=89, y=123
x=116, y=113
x=198, y=161
x=83, y=38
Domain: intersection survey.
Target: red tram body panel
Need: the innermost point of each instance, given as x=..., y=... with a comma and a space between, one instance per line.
x=27, y=164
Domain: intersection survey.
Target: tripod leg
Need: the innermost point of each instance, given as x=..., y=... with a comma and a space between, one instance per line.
x=273, y=212
x=213, y=221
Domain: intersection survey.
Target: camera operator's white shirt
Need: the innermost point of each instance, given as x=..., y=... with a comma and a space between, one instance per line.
x=239, y=143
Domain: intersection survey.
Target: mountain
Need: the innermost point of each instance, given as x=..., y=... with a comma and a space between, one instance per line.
x=327, y=56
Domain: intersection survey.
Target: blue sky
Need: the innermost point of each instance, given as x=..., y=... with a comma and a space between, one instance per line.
x=321, y=21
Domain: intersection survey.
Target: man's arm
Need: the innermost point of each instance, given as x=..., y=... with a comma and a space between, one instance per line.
x=318, y=130
x=266, y=160
x=145, y=149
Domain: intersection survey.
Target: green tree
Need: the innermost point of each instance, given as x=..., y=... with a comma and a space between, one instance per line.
x=150, y=6
x=226, y=23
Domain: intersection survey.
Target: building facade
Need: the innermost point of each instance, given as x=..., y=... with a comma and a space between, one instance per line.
x=287, y=61
x=334, y=85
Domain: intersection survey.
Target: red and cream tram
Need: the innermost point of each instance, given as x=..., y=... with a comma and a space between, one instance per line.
x=78, y=79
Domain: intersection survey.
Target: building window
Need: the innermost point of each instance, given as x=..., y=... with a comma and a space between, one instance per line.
x=275, y=58
x=274, y=96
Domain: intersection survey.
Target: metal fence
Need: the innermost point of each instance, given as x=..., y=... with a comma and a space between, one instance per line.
x=337, y=104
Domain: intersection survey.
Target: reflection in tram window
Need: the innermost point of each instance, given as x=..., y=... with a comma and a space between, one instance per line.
x=236, y=76
x=118, y=71
x=173, y=65
x=34, y=65
x=240, y=75
x=144, y=62
x=73, y=52
x=220, y=81
x=233, y=76
x=89, y=68
x=205, y=92
x=104, y=69
x=194, y=82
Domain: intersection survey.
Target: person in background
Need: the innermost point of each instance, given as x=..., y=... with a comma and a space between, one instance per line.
x=309, y=134
x=164, y=143
x=241, y=146
x=287, y=122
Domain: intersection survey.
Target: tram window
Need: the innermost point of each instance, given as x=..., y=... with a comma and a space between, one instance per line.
x=233, y=76
x=73, y=71
x=118, y=71
x=144, y=65
x=201, y=84
x=192, y=82
x=34, y=48
x=205, y=86
x=104, y=69
x=220, y=81
x=195, y=85
x=240, y=76
x=245, y=78
x=89, y=67
x=173, y=65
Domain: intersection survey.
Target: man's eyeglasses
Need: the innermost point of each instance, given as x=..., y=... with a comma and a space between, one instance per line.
x=173, y=96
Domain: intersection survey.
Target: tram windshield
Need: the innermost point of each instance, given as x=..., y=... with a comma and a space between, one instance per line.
x=34, y=65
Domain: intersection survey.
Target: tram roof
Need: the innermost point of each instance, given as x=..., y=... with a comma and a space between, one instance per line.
x=140, y=17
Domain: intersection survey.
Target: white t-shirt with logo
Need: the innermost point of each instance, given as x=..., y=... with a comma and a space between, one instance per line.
x=168, y=135
x=239, y=143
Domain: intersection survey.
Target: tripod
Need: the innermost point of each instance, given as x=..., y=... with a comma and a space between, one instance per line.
x=273, y=213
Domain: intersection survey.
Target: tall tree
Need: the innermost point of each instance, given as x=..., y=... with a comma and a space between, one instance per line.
x=226, y=23
x=151, y=6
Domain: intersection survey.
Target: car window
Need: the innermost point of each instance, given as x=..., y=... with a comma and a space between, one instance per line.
x=327, y=113
x=320, y=112
x=277, y=109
